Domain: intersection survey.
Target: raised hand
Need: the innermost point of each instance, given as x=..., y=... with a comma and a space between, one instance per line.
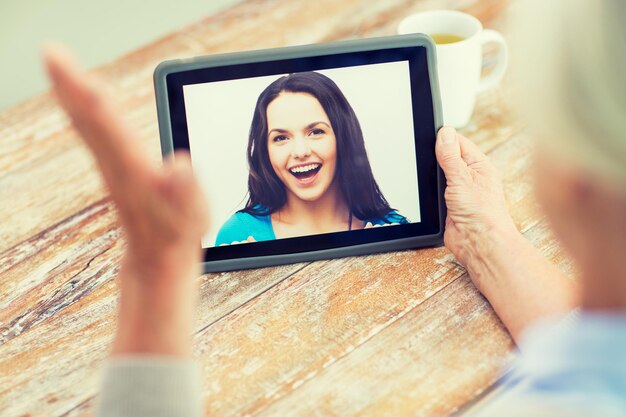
x=161, y=210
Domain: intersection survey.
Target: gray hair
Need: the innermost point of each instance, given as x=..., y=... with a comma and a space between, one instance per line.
x=573, y=78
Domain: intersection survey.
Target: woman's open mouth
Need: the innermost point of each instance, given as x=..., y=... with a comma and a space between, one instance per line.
x=306, y=174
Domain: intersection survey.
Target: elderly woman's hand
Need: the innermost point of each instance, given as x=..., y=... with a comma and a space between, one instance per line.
x=474, y=197
x=521, y=285
x=162, y=212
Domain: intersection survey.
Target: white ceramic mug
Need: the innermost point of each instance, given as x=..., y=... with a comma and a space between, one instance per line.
x=459, y=63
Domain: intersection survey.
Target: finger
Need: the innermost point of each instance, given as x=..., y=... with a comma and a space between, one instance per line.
x=96, y=118
x=178, y=175
x=250, y=239
x=178, y=196
x=470, y=153
x=448, y=151
x=368, y=225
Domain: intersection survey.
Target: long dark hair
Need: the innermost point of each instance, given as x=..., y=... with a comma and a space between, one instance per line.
x=267, y=192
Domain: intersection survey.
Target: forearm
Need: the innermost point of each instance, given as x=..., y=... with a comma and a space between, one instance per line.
x=156, y=315
x=521, y=285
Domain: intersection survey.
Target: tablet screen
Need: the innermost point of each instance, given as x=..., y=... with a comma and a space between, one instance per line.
x=310, y=153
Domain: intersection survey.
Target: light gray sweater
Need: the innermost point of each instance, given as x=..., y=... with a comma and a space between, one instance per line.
x=150, y=386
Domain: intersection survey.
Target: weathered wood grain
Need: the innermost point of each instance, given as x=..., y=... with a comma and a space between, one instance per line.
x=259, y=356
x=58, y=304
x=284, y=336
x=60, y=357
x=271, y=344
x=61, y=275
x=267, y=348
x=429, y=362
x=58, y=310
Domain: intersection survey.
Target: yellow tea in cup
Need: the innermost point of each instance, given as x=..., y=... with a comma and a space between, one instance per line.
x=444, y=38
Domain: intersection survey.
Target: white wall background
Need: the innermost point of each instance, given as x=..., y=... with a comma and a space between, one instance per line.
x=219, y=116
x=97, y=31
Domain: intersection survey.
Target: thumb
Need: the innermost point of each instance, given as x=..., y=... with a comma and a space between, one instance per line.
x=178, y=176
x=183, y=177
x=448, y=151
x=181, y=189
x=180, y=167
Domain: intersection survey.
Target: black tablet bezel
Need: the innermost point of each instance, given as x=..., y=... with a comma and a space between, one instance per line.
x=426, y=121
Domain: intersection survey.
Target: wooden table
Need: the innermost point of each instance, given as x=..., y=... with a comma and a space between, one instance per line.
x=402, y=333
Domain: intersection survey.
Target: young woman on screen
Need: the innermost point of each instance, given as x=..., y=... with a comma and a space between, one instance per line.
x=309, y=171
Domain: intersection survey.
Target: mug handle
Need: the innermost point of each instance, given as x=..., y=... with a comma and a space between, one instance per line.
x=496, y=75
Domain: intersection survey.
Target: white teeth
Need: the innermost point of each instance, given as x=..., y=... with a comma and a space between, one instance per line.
x=304, y=168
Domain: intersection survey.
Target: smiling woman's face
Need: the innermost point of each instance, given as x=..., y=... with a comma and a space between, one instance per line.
x=301, y=145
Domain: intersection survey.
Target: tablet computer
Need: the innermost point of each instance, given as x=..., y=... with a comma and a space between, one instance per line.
x=310, y=152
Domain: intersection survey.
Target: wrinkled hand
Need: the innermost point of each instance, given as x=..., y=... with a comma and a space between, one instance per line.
x=162, y=211
x=518, y=281
x=474, y=197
